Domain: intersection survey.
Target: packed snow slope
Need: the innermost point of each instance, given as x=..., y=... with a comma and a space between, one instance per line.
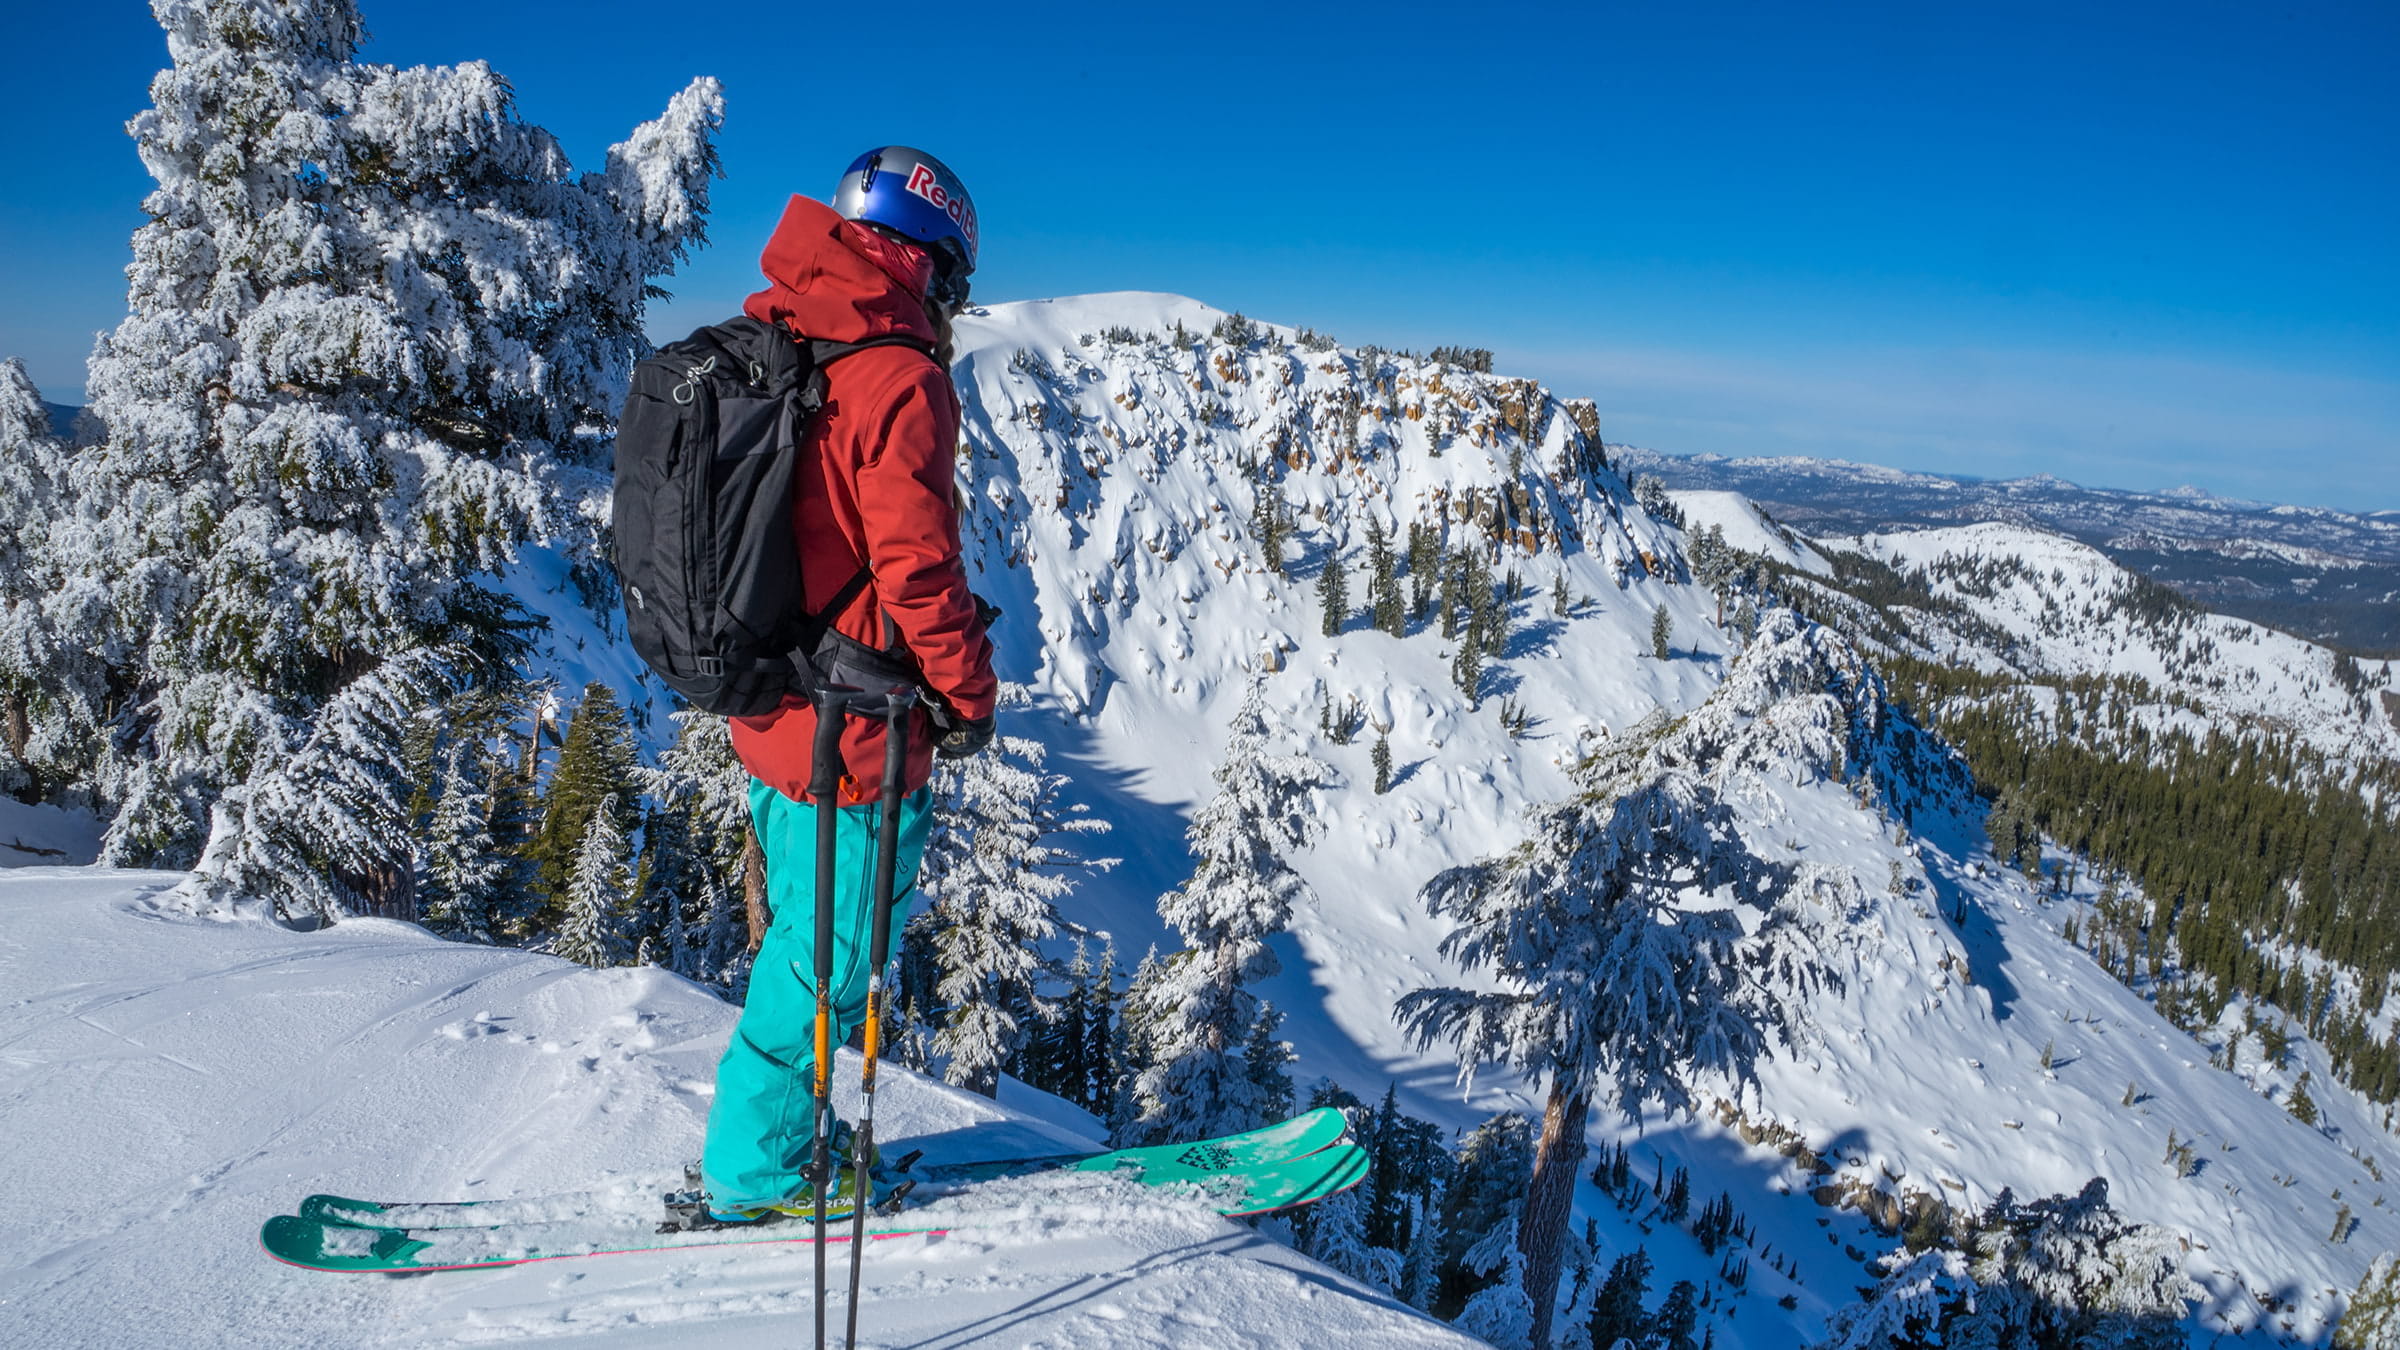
x=168, y=1082
x=1747, y=528
x=1115, y=450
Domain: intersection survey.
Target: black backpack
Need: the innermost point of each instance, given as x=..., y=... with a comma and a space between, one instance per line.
x=707, y=458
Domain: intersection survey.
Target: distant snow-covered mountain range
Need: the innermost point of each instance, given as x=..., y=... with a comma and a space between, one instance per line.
x=2331, y=576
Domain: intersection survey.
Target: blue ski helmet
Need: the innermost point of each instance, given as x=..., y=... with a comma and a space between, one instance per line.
x=914, y=195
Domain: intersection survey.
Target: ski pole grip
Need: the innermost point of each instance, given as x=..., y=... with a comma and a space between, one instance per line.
x=896, y=707
x=832, y=702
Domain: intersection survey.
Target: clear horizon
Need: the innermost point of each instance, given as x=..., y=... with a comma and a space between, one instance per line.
x=2138, y=247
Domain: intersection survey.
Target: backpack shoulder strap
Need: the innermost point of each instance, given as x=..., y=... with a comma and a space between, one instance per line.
x=812, y=397
x=822, y=354
x=826, y=353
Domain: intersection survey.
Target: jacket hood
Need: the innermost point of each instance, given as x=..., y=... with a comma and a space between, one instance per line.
x=838, y=281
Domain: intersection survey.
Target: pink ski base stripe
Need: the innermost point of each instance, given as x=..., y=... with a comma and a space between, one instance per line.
x=608, y=1251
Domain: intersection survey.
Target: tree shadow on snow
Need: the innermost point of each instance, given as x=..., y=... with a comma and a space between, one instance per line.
x=1498, y=682
x=1980, y=938
x=1539, y=638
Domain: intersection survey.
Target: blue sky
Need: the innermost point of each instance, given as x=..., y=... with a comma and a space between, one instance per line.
x=2132, y=245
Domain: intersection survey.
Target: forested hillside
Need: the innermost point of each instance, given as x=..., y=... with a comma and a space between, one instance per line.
x=2231, y=790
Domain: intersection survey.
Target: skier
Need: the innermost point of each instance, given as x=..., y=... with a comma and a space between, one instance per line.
x=877, y=520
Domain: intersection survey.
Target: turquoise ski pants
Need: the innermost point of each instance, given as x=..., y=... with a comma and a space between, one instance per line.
x=760, y=1129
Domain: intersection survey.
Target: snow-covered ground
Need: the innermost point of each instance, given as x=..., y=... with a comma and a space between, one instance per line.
x=168, y=1082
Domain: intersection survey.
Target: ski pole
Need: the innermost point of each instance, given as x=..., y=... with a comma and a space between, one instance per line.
x=824, y=789
x=896, y=708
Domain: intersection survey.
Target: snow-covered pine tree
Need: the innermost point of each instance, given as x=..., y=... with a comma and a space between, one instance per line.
x=1605, y=974
x=1421, y=1264
x=326, y=832
x=1200, y=1014
x=1453, y=592
x=591, y=933
x=1266, y=1064
x=1617, y=1312
x=692, y=843
x=2063, y=1270
x=1053, y=1055
x=1270, y=524
x=1129, y=1045
x=994, y=877
x=46, y=687
x=1466, y=667
x=1100, y=1034
x=1488, y=626
x=1500, y=1313
x=723, y=953
x=1333, y=593
x=1069, y=1057
x=1424, y=566
x=462, y=866
x=1383, y=581
x=1492, y=1166
x=378, y=333
x=2372, y=1321
x=1339, y=1239
x=596, y=765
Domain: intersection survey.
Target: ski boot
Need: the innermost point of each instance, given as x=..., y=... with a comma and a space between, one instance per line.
x=694, y=1209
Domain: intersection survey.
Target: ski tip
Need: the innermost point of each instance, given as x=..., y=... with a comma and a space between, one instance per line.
x=339, y=1248
x=294, y=1241
x=1304, y=1181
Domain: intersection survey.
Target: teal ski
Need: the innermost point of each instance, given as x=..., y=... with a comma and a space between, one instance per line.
x=1301, y=1135
x=344, y=1247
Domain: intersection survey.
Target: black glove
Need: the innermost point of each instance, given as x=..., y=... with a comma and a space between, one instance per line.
x=964, y=737
x=986, y=612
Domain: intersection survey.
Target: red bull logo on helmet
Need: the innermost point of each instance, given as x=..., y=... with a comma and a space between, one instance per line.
x=922, y=182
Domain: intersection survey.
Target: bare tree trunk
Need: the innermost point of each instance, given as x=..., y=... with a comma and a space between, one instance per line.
x=19, y=726
x=1550, y=1201
x=387, y=893
x=754, y=888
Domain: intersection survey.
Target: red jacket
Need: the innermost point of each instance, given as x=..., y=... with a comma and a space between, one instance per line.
x=875, y=490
